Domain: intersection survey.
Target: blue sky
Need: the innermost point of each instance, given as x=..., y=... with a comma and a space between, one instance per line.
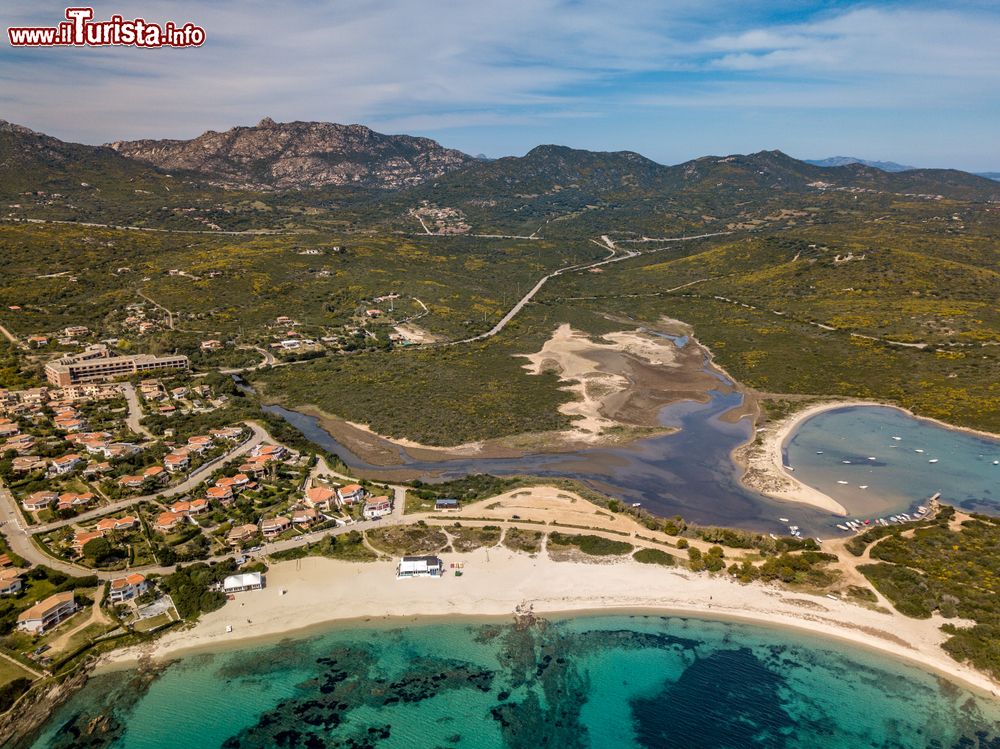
x=913, y=82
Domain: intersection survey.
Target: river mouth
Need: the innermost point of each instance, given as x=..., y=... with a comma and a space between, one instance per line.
x=688, y=472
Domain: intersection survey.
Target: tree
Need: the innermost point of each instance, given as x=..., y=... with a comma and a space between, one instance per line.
x=98, y=550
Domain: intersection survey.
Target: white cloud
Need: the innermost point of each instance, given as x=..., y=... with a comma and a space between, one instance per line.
x=450, y=64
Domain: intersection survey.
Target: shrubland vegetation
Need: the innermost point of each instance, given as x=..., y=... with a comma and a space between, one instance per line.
x=655, y=556
x=398, y=540
x=954, y=571
x=191, y=587
x=518, y=539
x=595, y=546
x=348, y=546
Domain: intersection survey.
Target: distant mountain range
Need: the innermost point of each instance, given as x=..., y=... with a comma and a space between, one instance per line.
x=273, y=156
x=885, y=166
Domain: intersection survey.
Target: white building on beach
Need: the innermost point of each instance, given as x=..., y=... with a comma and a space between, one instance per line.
x=420, y=567
x=246, y=581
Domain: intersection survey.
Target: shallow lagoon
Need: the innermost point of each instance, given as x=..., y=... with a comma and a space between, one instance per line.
x=899, y=473
x=589, y=681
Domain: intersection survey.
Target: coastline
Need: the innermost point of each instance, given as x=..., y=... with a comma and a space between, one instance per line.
x=763, y=463
x=324, y=593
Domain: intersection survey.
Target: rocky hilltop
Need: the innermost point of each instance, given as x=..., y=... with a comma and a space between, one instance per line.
x=290, y=155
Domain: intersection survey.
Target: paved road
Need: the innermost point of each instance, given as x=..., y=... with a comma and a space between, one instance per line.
x=257, y=436
x=246, y=232
x=616, y=257
x=134, y=411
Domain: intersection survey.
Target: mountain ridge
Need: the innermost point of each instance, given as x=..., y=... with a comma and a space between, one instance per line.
x=272, y=155
x=295, y=156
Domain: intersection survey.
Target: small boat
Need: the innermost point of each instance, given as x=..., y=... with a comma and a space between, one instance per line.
x=842, y=527
x=229, y=628
x=819, y=452
x=872, y=458
x=841, y=482
x=996, y=462
x=863, y=486
x=933, y=460
x=846, y=461
x=868, y=522
x=897, y=438
x=637, y=504
x=783, y=520
x=918, y=450
x=773, y=536
x=832, y=597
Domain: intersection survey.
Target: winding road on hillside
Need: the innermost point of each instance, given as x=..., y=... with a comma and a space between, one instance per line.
x=616, y=257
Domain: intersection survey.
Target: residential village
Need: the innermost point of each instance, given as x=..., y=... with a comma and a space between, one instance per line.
x=118, y=482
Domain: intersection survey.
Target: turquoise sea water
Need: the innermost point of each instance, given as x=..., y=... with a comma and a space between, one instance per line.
x=602, y=681
x=898, y=477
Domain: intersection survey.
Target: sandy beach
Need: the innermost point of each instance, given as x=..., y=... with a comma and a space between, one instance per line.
x=765, y=471
x=314, y=591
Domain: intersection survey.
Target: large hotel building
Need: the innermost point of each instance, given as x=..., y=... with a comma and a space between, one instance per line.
x=97, y=364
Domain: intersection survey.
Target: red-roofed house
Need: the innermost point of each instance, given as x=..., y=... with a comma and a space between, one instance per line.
x=132, y=482
x=241, y=533
x=10, y=581
x=118, y=524
x=66, y=463
x=304, y=516
x=322, y=497
x=39, y=501
x=166, y=521
x=128, y=587
x=219, y=493
x=377, y=507
x=275, y=452
x=189, y=507
x=26, y=463
x=199, y=444
x=350, y=494
x=43, y=616
x=275, y=526
x=179, y=460
x=82, y=538
x=72, y=499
